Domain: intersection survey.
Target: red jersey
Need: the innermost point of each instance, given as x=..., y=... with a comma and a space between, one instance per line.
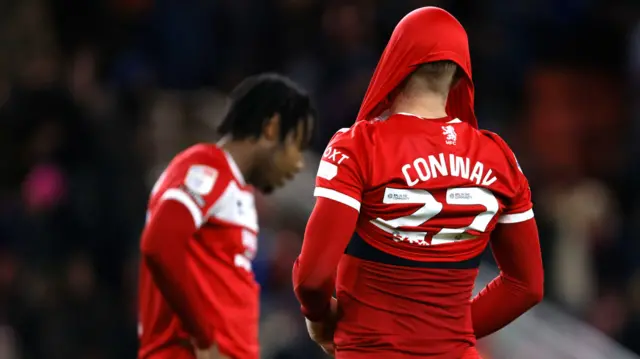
x=206, y=180
x=429, y=194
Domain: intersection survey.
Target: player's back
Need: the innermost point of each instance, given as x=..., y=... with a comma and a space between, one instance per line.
x=433, y=192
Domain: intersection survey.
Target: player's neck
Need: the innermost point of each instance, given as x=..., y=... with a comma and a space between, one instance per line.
x=424, y=105
x=242, y=153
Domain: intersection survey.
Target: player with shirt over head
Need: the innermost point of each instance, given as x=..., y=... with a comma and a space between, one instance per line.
x=408, y=199
x=197, y=294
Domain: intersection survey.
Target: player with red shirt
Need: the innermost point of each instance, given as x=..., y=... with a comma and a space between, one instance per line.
x=197, y=293
x=408, y=198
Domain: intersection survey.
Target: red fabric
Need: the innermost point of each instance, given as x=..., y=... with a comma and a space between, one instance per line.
x=198, y=244
x=368, y=171
x=164, y=251
x=519, y=286
x=323, y=246
x=425, y=35
x=387, y=309
x=471, y=353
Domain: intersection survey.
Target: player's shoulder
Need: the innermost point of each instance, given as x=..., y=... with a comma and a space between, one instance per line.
x=354, y=133
x=202, y=165
x=500, y=147
x=347, y=148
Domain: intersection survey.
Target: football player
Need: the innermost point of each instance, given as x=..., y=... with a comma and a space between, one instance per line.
x=197, y=293
x=408, y=199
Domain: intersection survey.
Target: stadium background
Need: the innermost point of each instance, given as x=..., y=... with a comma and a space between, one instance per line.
x=97, y=95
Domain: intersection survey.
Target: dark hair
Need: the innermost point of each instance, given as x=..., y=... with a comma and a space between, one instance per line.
x=256, y=99
x=438, y=76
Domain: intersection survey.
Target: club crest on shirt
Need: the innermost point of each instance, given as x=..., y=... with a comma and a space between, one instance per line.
x=450, y=135
x=200, y=179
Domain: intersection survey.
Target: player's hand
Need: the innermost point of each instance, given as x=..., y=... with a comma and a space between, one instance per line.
x=210, y=353
x=322, y=331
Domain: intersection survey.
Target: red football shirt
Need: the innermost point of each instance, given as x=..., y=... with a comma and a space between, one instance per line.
x=206, y=180
x=429, y=194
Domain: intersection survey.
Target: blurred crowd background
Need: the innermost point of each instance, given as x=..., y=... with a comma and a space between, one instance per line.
x=97, y=95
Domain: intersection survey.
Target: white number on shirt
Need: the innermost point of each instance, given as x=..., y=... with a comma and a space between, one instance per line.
x=431, y=207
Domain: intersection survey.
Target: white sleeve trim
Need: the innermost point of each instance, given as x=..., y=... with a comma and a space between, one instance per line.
x=516, y=217
x=338, y=197
x=181, y=196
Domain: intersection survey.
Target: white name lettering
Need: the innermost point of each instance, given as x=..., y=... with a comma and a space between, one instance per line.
x=334, y=155
x=422, y=170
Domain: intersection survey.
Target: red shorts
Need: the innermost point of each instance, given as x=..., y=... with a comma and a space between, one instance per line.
x=471, y=353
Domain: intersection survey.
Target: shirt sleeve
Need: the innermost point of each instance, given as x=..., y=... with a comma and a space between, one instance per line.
x=520, y=285
x=340, y=173
x=327, y=235
x=164, y=245
x=519, y=208
x=196, y=182
x=180, y=201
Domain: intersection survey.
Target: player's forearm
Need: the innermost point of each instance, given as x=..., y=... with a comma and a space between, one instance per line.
x=174, y=291
x=328, y=232
x=313, y=293
x=501, y=302
x=520, y=284
x=164, y=251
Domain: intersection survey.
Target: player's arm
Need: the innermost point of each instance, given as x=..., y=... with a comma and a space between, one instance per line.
x=516, y=248
x=332, y=223
x=176, y=217
x=328, y=231
x=519, y=286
